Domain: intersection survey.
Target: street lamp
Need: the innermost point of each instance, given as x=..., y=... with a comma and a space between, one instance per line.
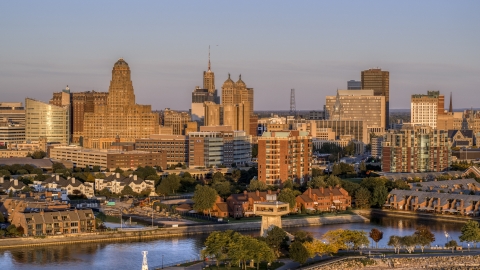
x=446, y=235
x=162, y=261
x=468, y=244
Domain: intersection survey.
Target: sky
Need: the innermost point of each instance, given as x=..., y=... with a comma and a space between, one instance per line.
x=314, y=47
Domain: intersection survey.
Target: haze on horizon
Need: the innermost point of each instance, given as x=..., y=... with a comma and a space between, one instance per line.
x=312, y=46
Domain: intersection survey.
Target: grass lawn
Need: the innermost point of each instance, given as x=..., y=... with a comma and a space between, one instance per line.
x=263, y=266
x=353, y=180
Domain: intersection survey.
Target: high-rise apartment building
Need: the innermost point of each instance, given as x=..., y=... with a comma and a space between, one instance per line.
x=46, y=120
x=416, y=149
x=201, y=95
x=284, y=155
x=81, y=103
x=359, y=105
x=379, y=81
x=354, y=85
x=120, y=116
x=425, y=109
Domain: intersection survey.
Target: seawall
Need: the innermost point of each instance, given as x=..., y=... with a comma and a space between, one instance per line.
x=139, y=235
x=414, y=215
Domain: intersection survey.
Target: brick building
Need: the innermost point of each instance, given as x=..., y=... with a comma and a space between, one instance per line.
x=284, y=155
x=324, y=199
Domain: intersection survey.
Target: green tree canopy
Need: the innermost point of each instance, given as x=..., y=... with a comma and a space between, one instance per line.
x=127, y=190
x=204, y=198
x=333, y=181
x=257, y=185
x=362, y=198
x=288, y=195
x=317, y=182
x=169, y=185
x=274, y=238
x=470, y=232
x=302, y=236
x=298, y=252
x=395, y=242
x=379, y=196
x=223, y=188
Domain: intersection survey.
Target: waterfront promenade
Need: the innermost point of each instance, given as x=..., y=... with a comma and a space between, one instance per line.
x=145, y=234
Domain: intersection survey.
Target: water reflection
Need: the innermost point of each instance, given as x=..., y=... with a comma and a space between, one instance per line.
x=126, y=255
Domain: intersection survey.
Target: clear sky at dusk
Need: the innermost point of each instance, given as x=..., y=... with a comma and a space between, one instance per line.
x=312, y=46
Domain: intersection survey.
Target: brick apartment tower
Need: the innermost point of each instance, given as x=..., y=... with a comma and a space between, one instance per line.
x=379, y=81
x=284, y=155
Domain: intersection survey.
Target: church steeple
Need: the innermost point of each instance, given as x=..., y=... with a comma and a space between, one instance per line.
x=209, y=58
x=209, y=77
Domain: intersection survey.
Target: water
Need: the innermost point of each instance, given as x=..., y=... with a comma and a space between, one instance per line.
x=125, y=255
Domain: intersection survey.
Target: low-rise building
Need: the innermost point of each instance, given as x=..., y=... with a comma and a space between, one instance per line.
x=241, y=205
x=116, y=182
x=44, y=222
x=71, y=185
x=12, y=185
x=434, y=202
x=324, y=199
x=108, y=159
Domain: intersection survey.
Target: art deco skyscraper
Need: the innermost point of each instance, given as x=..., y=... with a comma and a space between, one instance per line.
x=121, y=116
x=201, y=95
x=379, y=81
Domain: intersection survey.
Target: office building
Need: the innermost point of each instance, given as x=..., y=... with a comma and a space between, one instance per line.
x=235, y=94
x=174, y=146
x=425, y=109
x=121, y=116
x=379, y=81
x=205, y=149
x=108, y=159
x=80, y=103
x=11, y=133
x=416, y=149
x=13, y=112
x=237, y=144
x=322, y=129
x=201, y=95
x=354, y=85
x=46, y=120
x=357, y=105
x=284, y=155
x=177, y=120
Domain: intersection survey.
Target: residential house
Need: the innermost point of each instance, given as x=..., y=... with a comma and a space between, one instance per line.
x=241, y=205
x=324, y=199
x=116, y=182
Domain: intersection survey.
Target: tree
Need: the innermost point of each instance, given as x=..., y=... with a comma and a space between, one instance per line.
x=223, y=188
x=216, y=245
x=470, y=232
x=317, y=182
x=257, y=185
x=261, y=251
x=128, y=191
x=316, y=172
x=408, y=242
x=254, y=150
x=288, y=196
x=39, y=154
x=355, y=239
x=335, y=239
x=218, y=177
x=57, y=166
x=363, y=167
x=236, y=174
x=362, y=197
x=204, y=198
x=105, y=192
x=302, y=236
x=350, y=187
x=298, y=252
x=376, y=236
x=318, y=248
x=336, y=169
x=424, y=237
x=274, y=238
x=169, y=185
x=2, y=218
x=395, y=242
x=380, y=194
x=451, y=244
x=187, y=182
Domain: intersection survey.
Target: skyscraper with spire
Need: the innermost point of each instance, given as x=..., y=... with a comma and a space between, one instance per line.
x=207, y=93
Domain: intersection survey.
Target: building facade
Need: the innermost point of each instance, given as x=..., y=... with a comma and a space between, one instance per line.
x=425, y=109
x=177, y=120
x=108, y=159
x=201, y=95
x=416, y=149
x=121, y=116
x=354, y=85
x=379, y=81
x=284, y=155
x=174, y=146
x=357, y=105
x=46, y=120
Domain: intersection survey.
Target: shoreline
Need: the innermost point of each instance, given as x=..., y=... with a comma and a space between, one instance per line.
x=143, y=234
x=368, y=213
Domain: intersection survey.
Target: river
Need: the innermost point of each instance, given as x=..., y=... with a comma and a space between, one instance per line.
x=125, y=255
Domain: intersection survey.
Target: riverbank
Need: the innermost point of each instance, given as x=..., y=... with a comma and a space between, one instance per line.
x=452, y=261
x=147, y=234
x=368, y=213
